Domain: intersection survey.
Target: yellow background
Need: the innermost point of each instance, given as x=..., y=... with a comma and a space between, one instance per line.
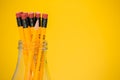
x=83, y=37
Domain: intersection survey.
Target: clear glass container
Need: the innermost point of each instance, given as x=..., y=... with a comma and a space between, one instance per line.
x=20, y=66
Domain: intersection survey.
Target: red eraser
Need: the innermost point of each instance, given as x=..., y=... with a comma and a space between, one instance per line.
x=24, y=16
x=45, y=16
x=18, y=14
x=37, y=15
x=31, y=15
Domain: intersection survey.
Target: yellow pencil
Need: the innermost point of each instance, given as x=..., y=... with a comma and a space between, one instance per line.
x=44, y=25
x=21, y=33
x=28, y=47
x=32, y=23
x=38, y=70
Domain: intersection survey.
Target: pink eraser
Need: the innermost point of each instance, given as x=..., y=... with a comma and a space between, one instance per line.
x=18, y=14
x=31, y=15
x=37, y=15
x=45, y=16
x=24, y=16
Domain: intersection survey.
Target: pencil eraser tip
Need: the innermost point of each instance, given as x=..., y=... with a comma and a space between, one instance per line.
x=31, y=15
x=24, y=16
x=37, y=15
x=18, y=14
x=45, y=16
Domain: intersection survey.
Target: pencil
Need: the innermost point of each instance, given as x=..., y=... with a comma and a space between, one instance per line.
x=44, y=26
x=27, y=38
x=38, y=70
x=21, y=33
x=31, y=25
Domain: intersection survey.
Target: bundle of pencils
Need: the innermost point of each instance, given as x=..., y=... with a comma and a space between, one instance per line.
x=32, y=30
